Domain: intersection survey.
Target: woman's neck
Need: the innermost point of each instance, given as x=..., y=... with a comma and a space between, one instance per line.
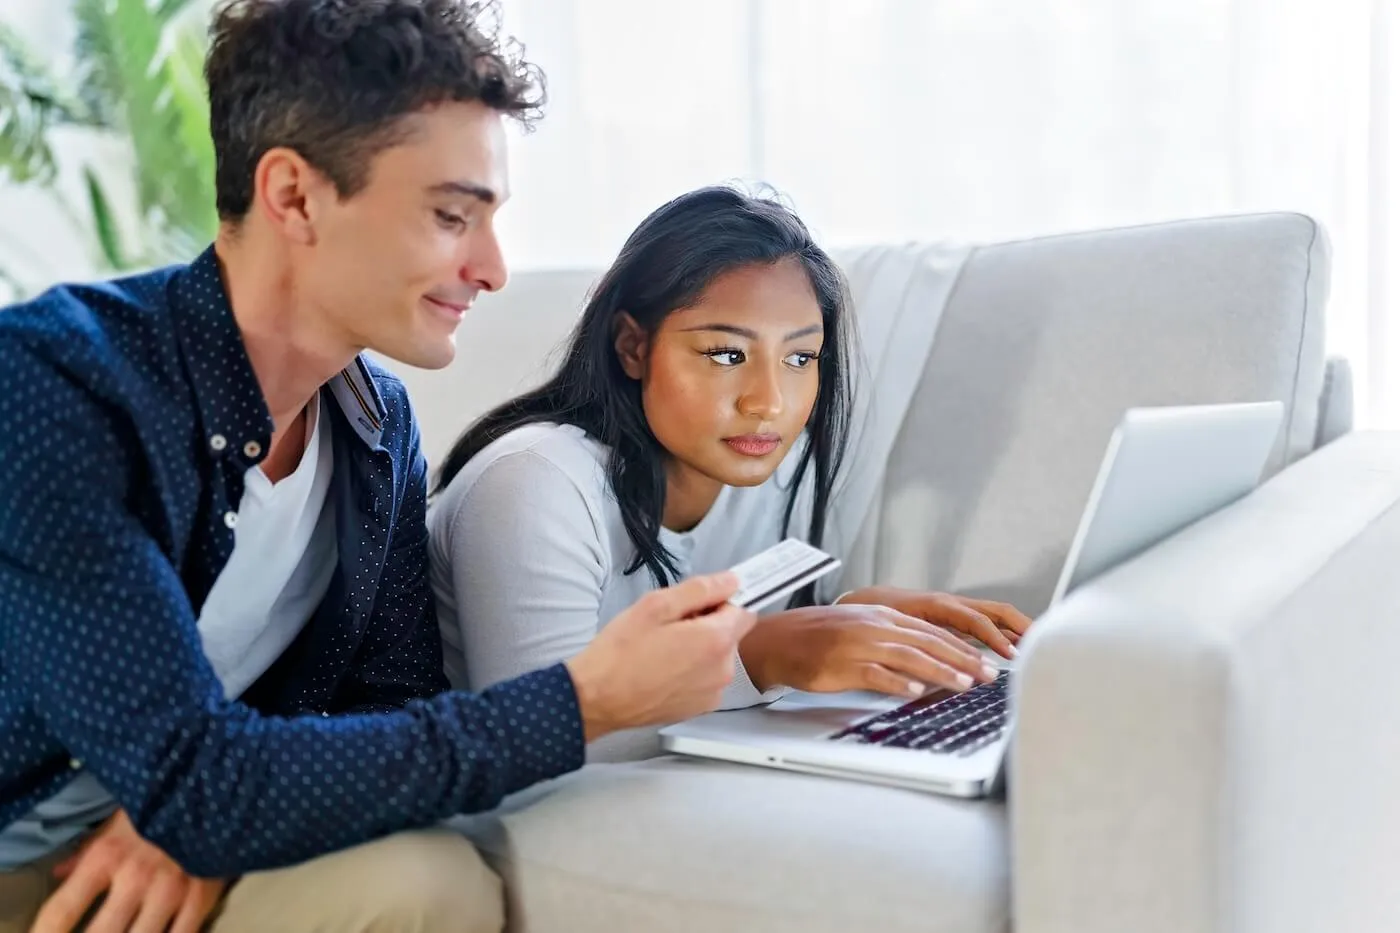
x=689, y=497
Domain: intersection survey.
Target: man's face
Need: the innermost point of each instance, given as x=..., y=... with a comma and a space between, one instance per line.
x=395, y=266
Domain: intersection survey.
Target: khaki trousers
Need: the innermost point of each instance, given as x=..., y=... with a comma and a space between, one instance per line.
x=412, y=882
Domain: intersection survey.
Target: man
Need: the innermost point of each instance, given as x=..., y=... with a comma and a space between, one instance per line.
x=214, y=606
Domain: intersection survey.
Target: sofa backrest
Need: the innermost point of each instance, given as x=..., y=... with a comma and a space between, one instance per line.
x=1042, y=345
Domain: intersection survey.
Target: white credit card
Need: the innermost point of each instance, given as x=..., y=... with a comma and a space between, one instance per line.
x=780, y=571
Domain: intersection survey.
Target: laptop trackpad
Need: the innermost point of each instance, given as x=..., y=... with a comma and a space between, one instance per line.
x=831, y=711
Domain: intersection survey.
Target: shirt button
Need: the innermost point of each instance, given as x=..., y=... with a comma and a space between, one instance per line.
x=218, y=442
x=75, y=764
x=252, y=449
x=231, y=519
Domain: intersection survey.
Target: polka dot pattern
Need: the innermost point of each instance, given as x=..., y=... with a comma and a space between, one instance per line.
x=133, y=415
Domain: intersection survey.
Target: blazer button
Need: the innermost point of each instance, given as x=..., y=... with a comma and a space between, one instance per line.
x=231, y=519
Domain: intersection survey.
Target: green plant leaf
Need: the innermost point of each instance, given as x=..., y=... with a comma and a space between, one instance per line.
x=144, y=74
x=104, y=223
x=31, y=103
x=98, y=78
x=167, y=10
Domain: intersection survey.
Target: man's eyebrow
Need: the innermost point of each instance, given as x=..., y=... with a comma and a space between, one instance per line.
x=752, y=335
x=466, y=188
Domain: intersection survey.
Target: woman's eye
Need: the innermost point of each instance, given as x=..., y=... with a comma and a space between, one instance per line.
x=448, y=219
x=726, y=357
x=800, y=360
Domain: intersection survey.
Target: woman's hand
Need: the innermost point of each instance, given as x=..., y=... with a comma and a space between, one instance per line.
x=997, y=625
x=828, y=649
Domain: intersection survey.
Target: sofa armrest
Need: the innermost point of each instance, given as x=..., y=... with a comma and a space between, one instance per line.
x=1204, y=735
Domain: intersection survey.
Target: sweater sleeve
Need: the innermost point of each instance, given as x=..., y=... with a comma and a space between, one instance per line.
x=527, y=565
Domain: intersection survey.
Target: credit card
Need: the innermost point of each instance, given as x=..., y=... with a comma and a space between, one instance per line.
x=778, y=572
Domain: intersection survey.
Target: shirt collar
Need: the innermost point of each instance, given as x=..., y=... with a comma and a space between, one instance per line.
x=232, y=408
x=358, y=397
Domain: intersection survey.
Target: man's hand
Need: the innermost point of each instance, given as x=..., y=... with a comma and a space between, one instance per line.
x=146, y=891
x=666, y=658
x=828, y=649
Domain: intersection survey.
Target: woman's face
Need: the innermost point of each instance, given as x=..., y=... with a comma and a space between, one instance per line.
x=728, y=385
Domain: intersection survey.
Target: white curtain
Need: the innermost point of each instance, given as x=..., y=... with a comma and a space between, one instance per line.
x=977, y=119
x=957, y=120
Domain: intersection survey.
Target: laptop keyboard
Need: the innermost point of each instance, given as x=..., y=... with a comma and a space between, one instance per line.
x=959, y=724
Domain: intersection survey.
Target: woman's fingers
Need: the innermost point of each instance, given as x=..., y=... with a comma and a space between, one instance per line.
x=917, y=664
x=1005, y=615
x=939, y=642
x=880, y=679
x=964, y=618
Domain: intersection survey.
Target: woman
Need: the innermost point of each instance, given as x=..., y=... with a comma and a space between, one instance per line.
x=700, y=415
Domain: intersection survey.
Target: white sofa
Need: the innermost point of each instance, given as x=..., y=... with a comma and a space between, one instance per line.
x=1203, y=743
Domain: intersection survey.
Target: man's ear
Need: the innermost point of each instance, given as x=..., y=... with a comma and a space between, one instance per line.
x=287, y=190
x=630, y=341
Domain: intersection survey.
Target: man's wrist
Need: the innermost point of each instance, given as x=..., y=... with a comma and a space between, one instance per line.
x=593, y=706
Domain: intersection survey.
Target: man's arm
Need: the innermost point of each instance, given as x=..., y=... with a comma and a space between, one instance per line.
x=98, y=634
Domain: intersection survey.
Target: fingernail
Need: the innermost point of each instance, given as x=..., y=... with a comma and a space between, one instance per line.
x=989, y=672
x=963, y=681
x=1014, y=650
x=915, y=689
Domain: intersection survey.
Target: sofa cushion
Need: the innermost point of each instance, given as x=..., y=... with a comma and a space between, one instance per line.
x=1042, y=346
x=683, y=845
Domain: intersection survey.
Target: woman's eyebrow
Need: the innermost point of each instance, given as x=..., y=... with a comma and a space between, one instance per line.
x=749, y=334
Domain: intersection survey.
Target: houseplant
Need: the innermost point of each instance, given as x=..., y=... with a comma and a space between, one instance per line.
x=138, y=78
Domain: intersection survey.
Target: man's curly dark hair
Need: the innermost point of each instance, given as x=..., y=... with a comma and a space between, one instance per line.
x=332, y=80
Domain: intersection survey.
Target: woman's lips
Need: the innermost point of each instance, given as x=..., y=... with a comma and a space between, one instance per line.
x=754, y=445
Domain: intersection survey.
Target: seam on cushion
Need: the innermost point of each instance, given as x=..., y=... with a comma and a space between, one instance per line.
x=1298, y=357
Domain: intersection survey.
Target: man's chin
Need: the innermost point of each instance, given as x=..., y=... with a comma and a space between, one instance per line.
x=424, y=355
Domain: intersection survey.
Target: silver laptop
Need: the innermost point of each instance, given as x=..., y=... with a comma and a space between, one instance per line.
x=1164, y=469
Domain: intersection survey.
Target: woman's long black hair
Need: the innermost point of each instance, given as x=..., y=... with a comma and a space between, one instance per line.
x=665, y=266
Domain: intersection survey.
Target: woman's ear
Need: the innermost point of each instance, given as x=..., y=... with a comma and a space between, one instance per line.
x=630, y=341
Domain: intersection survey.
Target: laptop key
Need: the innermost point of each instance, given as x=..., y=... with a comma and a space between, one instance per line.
x=937, y=722
x=981, y=743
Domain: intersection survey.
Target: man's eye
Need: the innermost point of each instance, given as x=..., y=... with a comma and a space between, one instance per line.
x=448, y=219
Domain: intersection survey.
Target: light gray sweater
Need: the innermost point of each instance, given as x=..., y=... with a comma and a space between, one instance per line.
x=528, y=552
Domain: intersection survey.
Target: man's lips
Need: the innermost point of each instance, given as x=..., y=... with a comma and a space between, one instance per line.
x=754, y=445
x=458, y=308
